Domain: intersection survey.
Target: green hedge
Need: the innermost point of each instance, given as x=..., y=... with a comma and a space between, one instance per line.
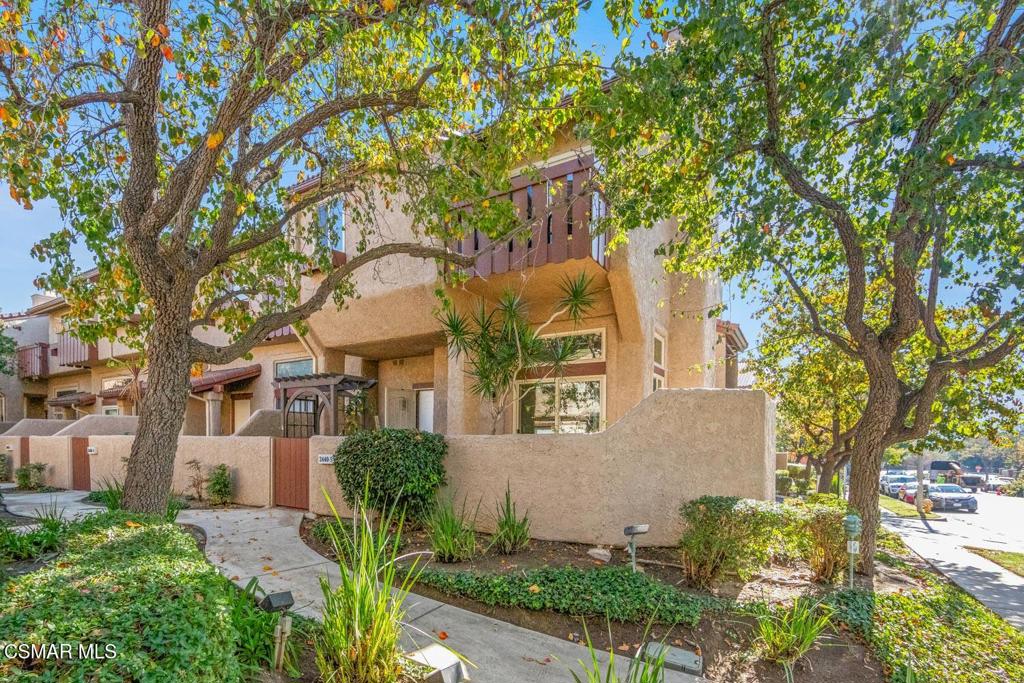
x=615, y=593
x=133, y=582
x=395, y=468
x=727, y=535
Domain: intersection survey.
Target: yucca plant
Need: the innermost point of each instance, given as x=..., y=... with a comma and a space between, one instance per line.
x=362, y=617
x=784, y=635
x=511, y=532
x=638, y=671
x=451, y=532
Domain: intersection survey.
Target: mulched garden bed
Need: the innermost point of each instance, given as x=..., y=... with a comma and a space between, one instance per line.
x=724, y=639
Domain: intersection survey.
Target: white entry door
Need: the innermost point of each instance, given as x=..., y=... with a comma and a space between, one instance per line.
x=425, y=410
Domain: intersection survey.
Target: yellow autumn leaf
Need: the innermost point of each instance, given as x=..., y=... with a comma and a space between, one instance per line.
x=465, y=78
x=388, y=5
x=214, y=140
x=131, y=525
x=534, y=588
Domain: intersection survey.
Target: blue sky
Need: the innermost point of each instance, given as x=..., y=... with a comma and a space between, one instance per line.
x=21, y=229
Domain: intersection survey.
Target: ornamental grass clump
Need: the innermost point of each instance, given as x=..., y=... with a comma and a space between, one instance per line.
x=785, y=634
x=452, y=532
x=725, y=534
x=511, y=532
x=362, y=618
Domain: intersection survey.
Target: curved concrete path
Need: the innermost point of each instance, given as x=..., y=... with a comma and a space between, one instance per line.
x=264, y=543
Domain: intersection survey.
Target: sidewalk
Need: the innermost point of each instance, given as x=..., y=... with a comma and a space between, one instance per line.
x=264, y=543
x=942, y=545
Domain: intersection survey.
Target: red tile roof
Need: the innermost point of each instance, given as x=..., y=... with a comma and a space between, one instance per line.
x=214, y=378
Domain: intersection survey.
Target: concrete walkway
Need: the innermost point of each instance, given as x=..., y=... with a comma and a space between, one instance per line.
x=265, y=543
x=943, y=546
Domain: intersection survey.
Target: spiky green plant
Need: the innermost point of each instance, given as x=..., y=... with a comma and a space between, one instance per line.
x=362, y=617
x=451, y=531
x=785, y=634
x=511, y=532
x=637, y=671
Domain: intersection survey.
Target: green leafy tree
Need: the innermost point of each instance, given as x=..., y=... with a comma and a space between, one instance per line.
x=8, y=353
x=809, y=141
x=501, y=346
x=170, y=135
x=822, y=394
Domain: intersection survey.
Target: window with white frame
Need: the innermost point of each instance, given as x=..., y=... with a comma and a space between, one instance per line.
x=331, y=217
x=659, y=362
x=566, y=405
x=111, y=410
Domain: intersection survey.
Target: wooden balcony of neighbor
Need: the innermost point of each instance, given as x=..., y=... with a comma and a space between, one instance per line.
x=73, y=353
x=33, y=361
x=561, y=230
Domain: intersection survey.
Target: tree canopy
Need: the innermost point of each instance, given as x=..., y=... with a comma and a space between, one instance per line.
x=191, y=145
x=815, y=141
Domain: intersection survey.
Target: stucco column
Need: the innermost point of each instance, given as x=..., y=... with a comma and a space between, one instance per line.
x=441, y=390
x=213, y=401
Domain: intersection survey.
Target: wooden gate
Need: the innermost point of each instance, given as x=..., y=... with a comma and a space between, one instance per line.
x=291, y=472
x=23, y=452
x=80, y=480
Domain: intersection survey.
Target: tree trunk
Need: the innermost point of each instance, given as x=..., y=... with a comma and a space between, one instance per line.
x=866, y=466
x=162, y=412
x=825, y=472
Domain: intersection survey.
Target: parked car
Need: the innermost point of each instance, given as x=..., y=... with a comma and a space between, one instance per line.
x=951, y=497
x=995, y=482
x=907, y=491
x=893, y=483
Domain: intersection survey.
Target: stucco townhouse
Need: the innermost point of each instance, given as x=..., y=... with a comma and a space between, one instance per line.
x=647, y=330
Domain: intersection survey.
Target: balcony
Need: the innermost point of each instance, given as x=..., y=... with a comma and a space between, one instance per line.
x=561, y=228
x=33, y=361
x=72, y=353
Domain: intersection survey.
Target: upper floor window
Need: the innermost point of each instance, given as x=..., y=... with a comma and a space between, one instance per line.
x=114, y=383
x=659, y=362
x=331, y=217
x=293, y=368
x=583, y=347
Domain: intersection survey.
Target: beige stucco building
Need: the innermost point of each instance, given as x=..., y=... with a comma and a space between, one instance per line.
x=647, y=330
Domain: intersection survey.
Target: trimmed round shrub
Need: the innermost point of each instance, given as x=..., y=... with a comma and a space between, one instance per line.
x=394, y=468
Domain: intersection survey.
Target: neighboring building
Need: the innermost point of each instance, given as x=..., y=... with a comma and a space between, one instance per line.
x=23, y=393
x=62, y=378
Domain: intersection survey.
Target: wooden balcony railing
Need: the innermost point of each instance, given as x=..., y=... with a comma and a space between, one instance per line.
x=33, y=361
x=72, y=353
x=562, y=212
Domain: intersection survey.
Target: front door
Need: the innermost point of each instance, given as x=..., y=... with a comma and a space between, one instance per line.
x=80, y=479
x=425, y=410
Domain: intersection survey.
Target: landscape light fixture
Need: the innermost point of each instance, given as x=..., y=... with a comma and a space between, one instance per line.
x=279, y=602
x=632, y=531
x=853, y=525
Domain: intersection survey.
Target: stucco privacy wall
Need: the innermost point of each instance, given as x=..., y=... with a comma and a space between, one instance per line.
x=676, y=445
x=55, y=453
x=101, y=424
x=37, y=427
x=322, y=478
x=247, y=458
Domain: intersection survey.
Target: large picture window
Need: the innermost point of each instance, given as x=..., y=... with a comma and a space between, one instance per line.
x=569, y=405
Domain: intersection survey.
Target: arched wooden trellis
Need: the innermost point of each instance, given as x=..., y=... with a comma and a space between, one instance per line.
x=309, y=403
